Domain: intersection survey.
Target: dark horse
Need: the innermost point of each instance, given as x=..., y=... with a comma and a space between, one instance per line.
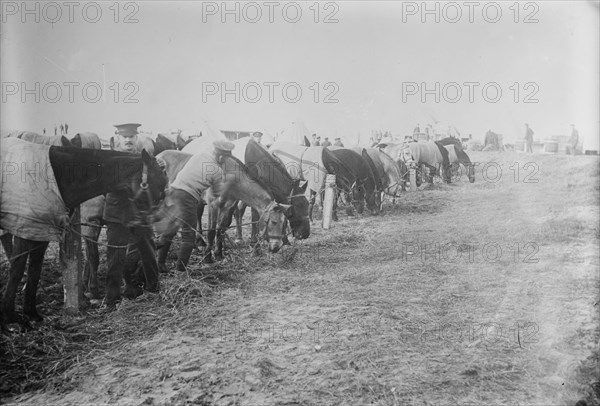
x=313, y=164
x=76, y=175
x=271, y=171
x=362, y=172
x=459, y=156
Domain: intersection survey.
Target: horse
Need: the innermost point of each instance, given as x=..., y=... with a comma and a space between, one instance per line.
x=388, y=171
x=271, y=171
x=35, y=138
x=91, y=212
x=36, y=204
x=86, y=140
x=220, y=188
x=432, y=155
x=312, y=164
x=457, y=155
x=361, y=170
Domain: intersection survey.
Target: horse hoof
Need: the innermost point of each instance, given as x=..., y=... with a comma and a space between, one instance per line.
x=131, y=292
x=162, y=268
x=33, y=315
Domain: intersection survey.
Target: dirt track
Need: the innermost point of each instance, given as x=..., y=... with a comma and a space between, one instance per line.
x=418, y=305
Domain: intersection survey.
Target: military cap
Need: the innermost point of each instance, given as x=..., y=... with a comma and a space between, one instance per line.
x=224, y=145
x=127, y=129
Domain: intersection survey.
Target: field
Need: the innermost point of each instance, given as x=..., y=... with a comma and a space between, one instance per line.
x=481, y=294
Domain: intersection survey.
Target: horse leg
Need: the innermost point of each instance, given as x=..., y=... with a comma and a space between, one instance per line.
x=239, y=215
x=36, y=257
x=210, y=234
x=311, y=205
x=164, y=245
x=200, y=212
x=334, y=215
x=17, y=269
x=90, y=273
x=255, y=217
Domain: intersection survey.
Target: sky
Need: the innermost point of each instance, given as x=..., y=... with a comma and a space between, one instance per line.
x=344, y=68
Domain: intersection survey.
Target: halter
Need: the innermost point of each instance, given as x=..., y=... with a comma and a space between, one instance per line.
x=268, y=210
x=144, y=189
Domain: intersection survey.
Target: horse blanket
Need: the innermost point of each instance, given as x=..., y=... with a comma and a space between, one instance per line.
x=305, y=163
x=423, y=153
x=31, y=205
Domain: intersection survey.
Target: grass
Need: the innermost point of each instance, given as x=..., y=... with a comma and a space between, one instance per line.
x=377, y=325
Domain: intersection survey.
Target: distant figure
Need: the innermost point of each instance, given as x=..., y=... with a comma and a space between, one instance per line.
x=338, y=142
x=44, y=131
x=55, y=129
x=257, y=136
x=315, y=142
x=326, y=142
x=62, y=129
x=574, y=140
x=529, y=138
x=417, y=129
x=66, y=128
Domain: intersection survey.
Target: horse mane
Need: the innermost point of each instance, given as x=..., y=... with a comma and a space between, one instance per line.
x=279, y=163
x=347, y=177
x=247, y=173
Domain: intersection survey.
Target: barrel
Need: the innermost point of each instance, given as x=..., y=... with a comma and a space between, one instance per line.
x=550, y=147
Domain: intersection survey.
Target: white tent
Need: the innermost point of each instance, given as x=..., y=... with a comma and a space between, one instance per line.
x=208, y=130
x=295, y=133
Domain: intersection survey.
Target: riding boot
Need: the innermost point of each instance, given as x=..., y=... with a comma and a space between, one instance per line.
x=163, y=251
x=185, y=251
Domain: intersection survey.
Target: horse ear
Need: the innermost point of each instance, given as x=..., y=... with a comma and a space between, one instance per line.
x=65, y=141
x=112, y=142
x=304, y=186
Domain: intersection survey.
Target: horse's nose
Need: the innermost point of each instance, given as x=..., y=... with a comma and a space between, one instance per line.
x=275, y=246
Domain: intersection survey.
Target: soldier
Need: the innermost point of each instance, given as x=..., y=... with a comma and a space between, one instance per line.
x=184, y=195
x=315, y=141
x=529, y=138
x=127, y=242
x=574, y=140
x=257, y=136
x=326, y=142
x=338, y=142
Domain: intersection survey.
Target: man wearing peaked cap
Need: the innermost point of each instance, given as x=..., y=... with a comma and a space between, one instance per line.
x=338, y=142
x=257, y=135
x=184, y=195
x=127, y=243
x=127, y=136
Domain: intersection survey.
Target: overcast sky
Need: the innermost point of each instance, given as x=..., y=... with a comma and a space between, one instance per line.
x=177, y=55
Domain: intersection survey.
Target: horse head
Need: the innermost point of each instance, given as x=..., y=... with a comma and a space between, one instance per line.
x=357, y=192
x=149, y=193
x=299, y=221
x=271, y=224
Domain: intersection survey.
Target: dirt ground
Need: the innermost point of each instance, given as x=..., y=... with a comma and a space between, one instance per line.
x=482, y=294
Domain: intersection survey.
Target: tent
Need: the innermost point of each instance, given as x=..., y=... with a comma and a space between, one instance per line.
x=295, y=133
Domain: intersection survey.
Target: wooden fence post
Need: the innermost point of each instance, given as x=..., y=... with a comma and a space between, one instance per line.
x=413, y=177
x=71, y=262
x=328, y=200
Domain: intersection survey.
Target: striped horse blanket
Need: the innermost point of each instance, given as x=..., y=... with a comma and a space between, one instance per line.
x=427, y=153
x=305, y=163
x=31, y=205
